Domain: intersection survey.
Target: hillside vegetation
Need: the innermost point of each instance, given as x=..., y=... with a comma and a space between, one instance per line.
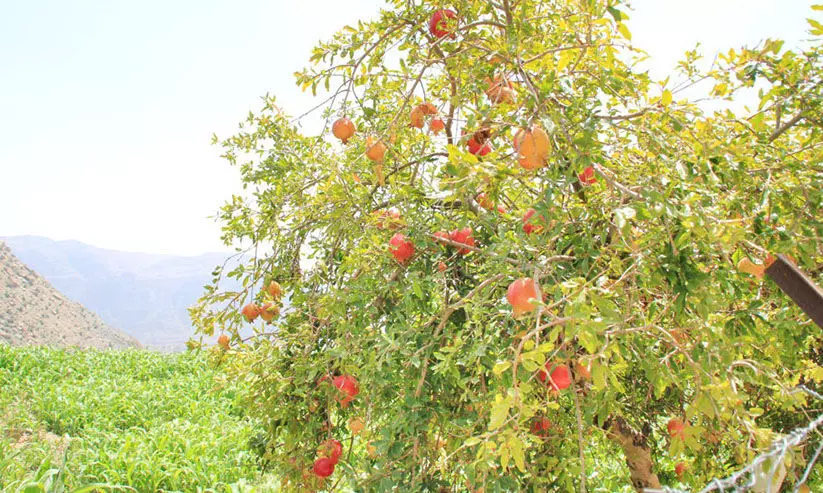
x=149, y=421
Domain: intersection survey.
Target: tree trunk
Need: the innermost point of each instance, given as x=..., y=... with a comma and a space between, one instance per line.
x=638, y=454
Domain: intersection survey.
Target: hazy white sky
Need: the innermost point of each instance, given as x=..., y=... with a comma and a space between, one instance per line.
x=107, y=106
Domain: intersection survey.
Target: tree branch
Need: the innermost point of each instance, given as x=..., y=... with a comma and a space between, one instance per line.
x=786, y=126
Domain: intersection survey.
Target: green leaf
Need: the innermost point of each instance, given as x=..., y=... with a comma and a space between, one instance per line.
x=501, y=366
x=519, y=457
x=472, y=441
x=618, y=15
x=666, y=98
x=499, y=412
x=624, y=31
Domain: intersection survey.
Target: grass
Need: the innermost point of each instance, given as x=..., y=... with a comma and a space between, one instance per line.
x=139, y=420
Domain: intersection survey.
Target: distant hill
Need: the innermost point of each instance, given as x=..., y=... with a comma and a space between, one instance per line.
x=32, y=311
x=144, y=294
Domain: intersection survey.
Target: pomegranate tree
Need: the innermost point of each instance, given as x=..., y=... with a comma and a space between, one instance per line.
x=547, y=348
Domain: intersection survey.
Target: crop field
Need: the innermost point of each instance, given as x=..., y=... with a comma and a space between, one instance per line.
x=81, y=420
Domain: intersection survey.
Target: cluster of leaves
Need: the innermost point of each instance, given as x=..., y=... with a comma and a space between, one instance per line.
x=637, y=271
x=138, y=420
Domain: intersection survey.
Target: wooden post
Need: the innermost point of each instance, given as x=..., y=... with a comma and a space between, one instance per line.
x=797, y=286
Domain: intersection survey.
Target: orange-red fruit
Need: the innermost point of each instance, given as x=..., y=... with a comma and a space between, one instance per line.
x=462, y=236
x=251, y=312
x=540, y=426
x=348, y=389
x=428, y=108
x=401, y=248
x=500, y=91
x=519, y=294
x=437, y=125
x=331, y=449
x=375, y=149
x=677, y=428
x=582, y=371
x=484, y=201
x=441, y=23
x=343, y=129
x=388, y=219
x=532, y=147
x=356, y=425
x=274, y=290
x=323, y=467
x=477, y=149
x=223, y=341
x=558, y=379
x=441, y=266
x=269, y=311
x=587, y=176
x=416, y=117
x=679, y=469
x=528, y=223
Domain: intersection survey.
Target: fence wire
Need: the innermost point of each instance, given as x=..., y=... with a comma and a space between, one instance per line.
x=747, y=478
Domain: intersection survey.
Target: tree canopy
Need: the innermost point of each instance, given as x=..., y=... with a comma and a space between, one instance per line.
x=520, y=270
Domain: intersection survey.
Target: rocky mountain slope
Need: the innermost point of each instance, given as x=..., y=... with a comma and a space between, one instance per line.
x=32, y=311
x=146, y=295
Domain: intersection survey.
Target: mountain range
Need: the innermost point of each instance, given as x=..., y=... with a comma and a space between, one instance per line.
x=33, y=312
x=145, y=295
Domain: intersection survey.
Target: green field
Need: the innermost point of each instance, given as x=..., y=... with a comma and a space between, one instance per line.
x=131, y=420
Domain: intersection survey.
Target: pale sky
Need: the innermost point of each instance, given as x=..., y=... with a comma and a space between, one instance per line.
x=107, y=106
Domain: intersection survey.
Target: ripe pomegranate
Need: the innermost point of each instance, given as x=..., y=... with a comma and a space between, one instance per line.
x=331, y=449
x=677, y=428
x=519, y=294
x=476, y=148
x=484, y=201
x=442, y=23
x=375, y=149
x=269, y=311
x=427, y=108
x=463, y=236
x=500, y=91
x=401, y=248
x=251, y=312
x=540, y=426
x=587, y=176
x=416, y=117
x=441, y=266
x=679, y=469
x=356, y=425
x=347, y=387
x=323, y=467
x=223, y=341
x=529, y=225
x=582, y=371
x=388, y=219
x=532, y=147
x=437, y=125
x=274, y=290
x=371, y=450
x=343, y=129
x=558, y=379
